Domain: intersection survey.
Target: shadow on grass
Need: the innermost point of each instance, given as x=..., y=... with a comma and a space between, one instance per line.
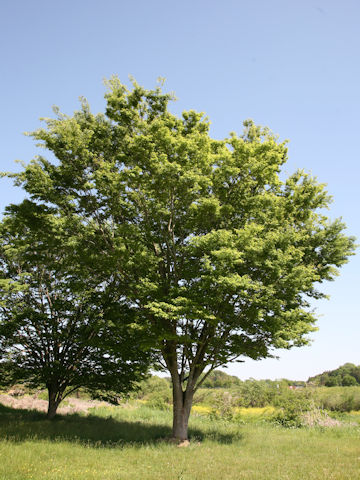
x=18, y=425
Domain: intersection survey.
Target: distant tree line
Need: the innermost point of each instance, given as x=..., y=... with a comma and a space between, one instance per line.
x=345, y=376
x=220, y=379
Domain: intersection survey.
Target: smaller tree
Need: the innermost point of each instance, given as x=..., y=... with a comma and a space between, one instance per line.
x=61, y=327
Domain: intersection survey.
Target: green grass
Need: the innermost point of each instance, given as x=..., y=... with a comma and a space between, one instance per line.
x=130, y=443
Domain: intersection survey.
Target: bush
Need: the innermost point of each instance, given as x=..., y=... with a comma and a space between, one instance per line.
x=292, y=407
x=158, y=401
x=223, y=407
x=155, y=391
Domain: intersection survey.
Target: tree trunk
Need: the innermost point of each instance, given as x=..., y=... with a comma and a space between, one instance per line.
x=182, y=402
x=54, y=401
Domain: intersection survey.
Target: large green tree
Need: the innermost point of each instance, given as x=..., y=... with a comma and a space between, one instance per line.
x=218, y=256
x=63, y=325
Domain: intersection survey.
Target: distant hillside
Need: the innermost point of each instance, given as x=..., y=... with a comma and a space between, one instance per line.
x=345, y=376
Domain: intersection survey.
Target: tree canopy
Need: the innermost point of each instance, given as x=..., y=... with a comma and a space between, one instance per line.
x=214, y=252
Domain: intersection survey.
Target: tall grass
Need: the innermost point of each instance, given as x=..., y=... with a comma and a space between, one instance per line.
x=341, y=399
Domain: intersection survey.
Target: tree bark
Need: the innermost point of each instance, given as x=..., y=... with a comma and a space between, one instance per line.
x=182, y=402
x=55, y=398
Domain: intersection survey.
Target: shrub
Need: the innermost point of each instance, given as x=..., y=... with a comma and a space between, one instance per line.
x=223, y=406
x=292, y=407
x=158, y=401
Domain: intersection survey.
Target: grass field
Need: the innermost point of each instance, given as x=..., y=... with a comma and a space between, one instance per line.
x=117, y=443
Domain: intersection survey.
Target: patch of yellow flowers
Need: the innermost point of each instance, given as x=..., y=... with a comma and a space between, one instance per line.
x=251, y=412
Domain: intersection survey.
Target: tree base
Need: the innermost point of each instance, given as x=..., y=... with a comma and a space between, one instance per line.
x=176, y=442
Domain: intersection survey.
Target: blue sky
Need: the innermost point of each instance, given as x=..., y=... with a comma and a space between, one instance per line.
x=293, y=66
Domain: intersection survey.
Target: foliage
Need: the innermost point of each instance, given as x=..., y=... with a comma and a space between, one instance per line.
x=256, y=395
x=223, y=406
x=62, y=327
x=292, y=407
x=346, y=375
x=249, y=393
x=220, y=379
x=155, y=391
x=211, y=251
x=152, y=384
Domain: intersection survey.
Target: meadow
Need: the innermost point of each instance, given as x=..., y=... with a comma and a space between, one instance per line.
x=131, y=442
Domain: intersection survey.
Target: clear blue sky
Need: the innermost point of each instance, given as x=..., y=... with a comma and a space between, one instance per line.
x=291, y=65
